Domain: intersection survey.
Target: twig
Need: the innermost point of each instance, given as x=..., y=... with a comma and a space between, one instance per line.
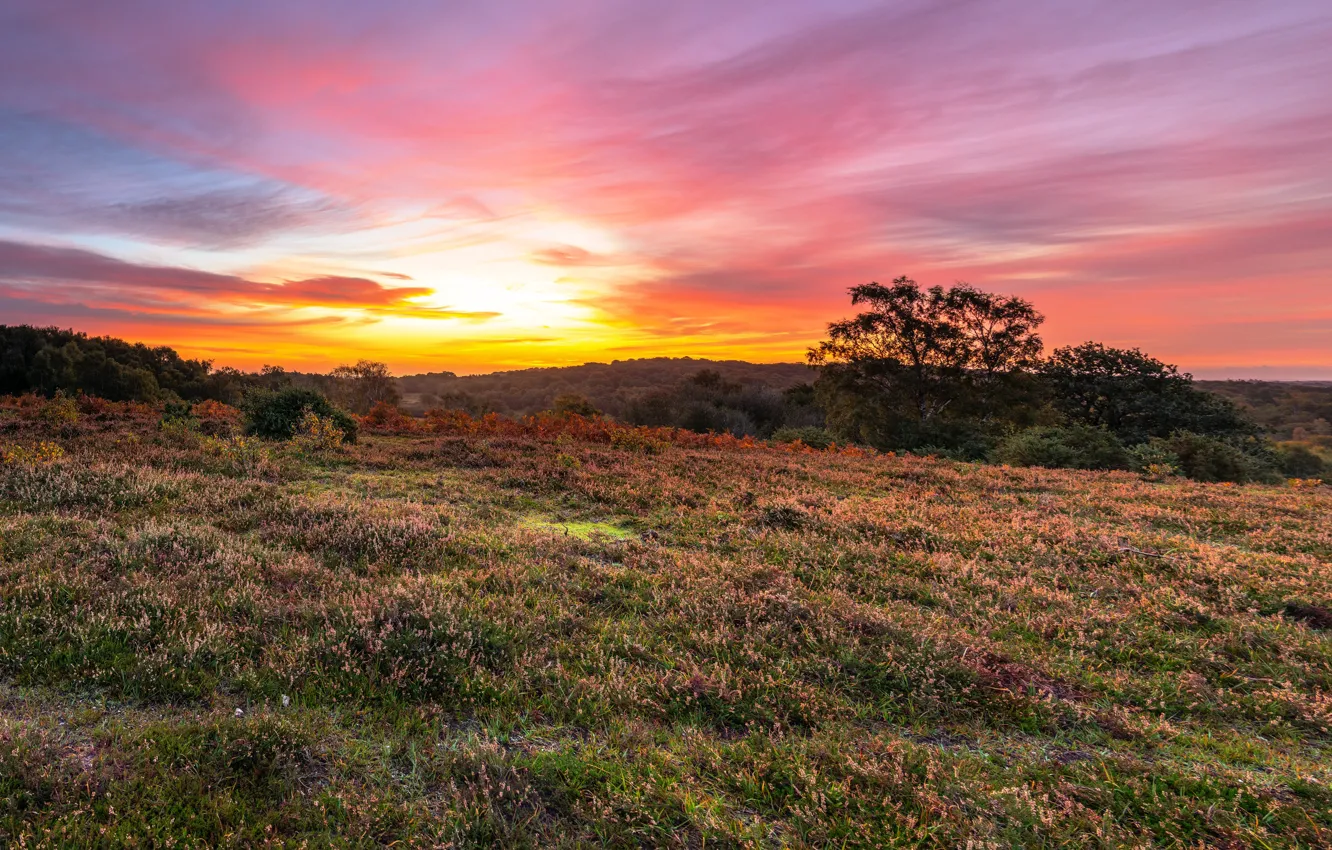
x=1147, y=554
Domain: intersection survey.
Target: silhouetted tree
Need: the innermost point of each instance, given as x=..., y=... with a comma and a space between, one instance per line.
x=924, y=365
x=361, y=387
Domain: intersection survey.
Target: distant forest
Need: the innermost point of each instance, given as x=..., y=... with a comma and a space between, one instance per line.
x=1287, y=410
x=619, y=388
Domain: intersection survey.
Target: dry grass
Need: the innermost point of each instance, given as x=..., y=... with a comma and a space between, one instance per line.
x=403, y=641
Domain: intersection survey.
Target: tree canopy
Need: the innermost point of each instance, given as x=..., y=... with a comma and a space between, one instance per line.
x=919, y=360
x=1134, y=395
x=47, y=360
x=961, y=371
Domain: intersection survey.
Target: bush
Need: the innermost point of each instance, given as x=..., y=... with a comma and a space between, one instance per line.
x=1296, y=461
x=637, y=440
x=573, y=404
x=178, y=424
x=43, y=454
x=1204, y=458
x=1068, y=447
x=318, y=433
x=385, y=416
x=61, y=410
x=783, y=517
x=240, y=456
x=278, y=414
x=217, y=419
x=1154, y=459
x=815, y=438
x=178, y=411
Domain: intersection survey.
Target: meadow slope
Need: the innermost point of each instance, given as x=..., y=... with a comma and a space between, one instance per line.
x=536, y=640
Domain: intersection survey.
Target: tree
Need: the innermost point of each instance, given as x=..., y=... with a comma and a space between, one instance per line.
x=901, y=346
x=573, y=404
x=918, y=357
x=364, y=385
x=1136, y=396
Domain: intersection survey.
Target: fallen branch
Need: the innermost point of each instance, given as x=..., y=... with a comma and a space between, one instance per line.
x=1147, y=554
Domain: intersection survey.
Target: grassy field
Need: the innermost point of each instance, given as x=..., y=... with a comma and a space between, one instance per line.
x=527, y=640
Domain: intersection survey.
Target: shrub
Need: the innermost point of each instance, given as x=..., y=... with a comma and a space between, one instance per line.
x=815, y=438
x=1304, y=482
x=240, y=456
x=61, y=410
x=568, y=461
x=1153, y=453
x=637, y=440
x=177, y=411
x=1205, y=458
x=1154, y=459
x=217, y=419
x=318, y=433
x=277, y=414
x=1067, y=447
x=178, y=424
x=42, y=454
x=385, y=416
x=211, y=409
x=1296, y=461
x=783, y=517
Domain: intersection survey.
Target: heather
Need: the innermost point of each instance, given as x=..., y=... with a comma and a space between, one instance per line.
x=560, y=631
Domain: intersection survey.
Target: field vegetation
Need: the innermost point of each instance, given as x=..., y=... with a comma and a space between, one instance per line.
x=559, y=631
x=956, y=372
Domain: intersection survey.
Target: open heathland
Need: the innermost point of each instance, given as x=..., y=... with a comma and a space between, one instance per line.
x=493, y=633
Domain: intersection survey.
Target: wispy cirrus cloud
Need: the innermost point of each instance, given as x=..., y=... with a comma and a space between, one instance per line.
x=696, y=176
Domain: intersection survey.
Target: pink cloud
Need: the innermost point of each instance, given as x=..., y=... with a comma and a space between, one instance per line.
x=55, y=275
x=1148, y=172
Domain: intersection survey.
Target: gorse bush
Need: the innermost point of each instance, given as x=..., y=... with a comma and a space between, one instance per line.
x=1066, y=447
x=178, y=411
x=318, y=433
x=637, y=440
x=278, y=414
x=239, y=455
x=61, y=410
x=1156, y=453
x=1298, y=461
x=1154, y=460
x=1205, y=458
x=815, y=438
x=42, y=454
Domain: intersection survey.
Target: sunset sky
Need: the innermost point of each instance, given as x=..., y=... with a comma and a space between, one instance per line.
x=483, y=185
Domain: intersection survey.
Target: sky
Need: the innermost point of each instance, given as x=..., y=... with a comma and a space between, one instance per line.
x=487, y=185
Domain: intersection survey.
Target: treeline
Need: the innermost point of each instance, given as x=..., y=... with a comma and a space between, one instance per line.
x=954, y=372
x=48, y=361
x=963, y=373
